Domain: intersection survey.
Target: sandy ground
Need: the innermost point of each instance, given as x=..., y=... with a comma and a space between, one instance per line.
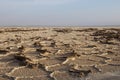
x=59, y=53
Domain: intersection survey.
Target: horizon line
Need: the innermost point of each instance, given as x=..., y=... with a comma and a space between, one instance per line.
x=59, y=25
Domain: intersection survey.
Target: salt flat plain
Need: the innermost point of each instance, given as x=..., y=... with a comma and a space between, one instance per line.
x=59, y=53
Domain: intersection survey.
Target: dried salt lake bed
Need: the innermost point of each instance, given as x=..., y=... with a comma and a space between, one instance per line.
x=59, y=53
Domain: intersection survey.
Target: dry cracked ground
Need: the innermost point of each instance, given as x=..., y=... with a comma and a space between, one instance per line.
x=59, y=53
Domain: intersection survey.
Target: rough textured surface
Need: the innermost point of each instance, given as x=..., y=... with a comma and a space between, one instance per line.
x=59, y=53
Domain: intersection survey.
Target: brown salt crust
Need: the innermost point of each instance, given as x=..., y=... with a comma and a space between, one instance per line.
x=108, y=68
x=2, y=51
x=105, y=76
x=48, y=61
x=35, y=78
x=79, y=73
x=58, y=67
x=63, y=30
x=28, y=72
x=81, y=62
x=4, y=77
x=93, y=68
x=63, y=75
x=4, y=70
x=47, y=43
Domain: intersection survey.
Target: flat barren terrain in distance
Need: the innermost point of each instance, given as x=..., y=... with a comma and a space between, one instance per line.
x=59, y=53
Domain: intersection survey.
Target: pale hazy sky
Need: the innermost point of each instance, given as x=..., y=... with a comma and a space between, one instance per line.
x=60, y=12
